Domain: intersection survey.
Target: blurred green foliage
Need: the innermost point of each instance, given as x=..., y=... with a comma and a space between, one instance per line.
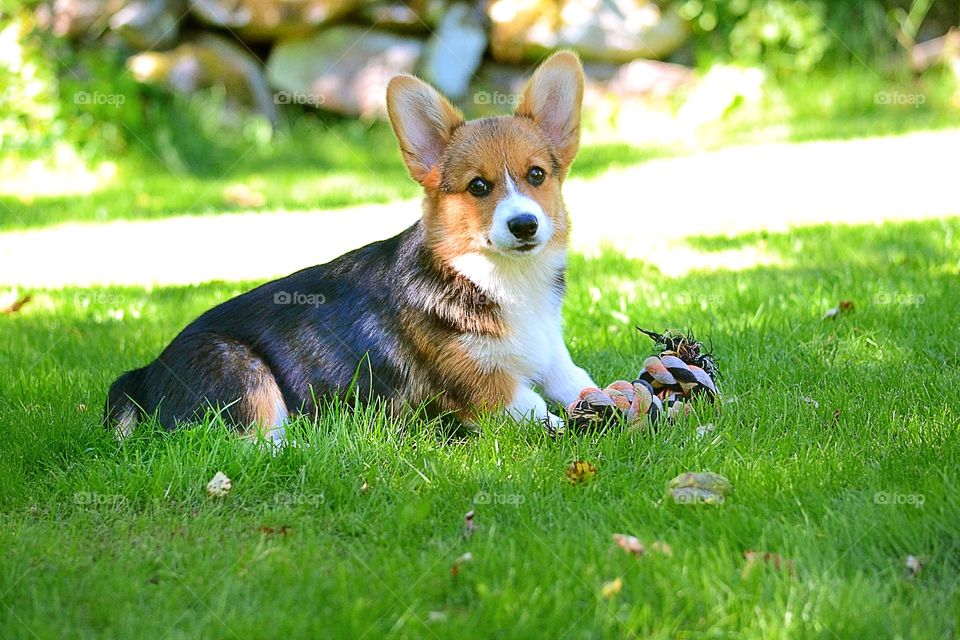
x=84, y=96
x=778, y=34
x=52, y=90
x=792, y=35
x=29, y=104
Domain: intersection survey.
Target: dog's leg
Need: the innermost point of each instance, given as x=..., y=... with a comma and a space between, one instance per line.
x=269, y=424
x=528, y=405
x=563, y=380
x=205, y=371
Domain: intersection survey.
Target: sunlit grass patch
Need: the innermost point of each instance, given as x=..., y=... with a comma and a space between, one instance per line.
x=839, y=437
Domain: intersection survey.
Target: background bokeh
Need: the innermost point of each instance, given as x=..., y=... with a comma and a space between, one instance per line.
x=198, y=87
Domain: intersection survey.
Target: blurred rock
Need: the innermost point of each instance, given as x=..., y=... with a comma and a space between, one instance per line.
x=648, y=79
x=945, y=49
x=602, y=30
x=496, y=89
x=76, y=18
x=455, y=50
x=148, y=24
x=266, y=20
x=718, y=91
x=415, y=16
x=207, y=61
x=343, y=69
x=499, y=86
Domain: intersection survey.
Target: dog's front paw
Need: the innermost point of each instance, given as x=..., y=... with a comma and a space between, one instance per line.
x=554, y=425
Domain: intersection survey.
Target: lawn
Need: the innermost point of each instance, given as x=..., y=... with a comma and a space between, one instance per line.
x=839, y=436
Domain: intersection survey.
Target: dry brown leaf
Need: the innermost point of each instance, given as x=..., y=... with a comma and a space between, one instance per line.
x=468, y=524
x=612, y=588
x=243, y=196
x=662, y=547
x=630, y=544
x=915, y=565
x=846, y=306
x=271, y=531
x=219, y=485
x=581, y=471
x=466, y=558
x=11, y=303
x=774, y=560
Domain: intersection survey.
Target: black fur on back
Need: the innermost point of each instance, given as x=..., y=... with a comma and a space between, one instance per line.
x=315, y=333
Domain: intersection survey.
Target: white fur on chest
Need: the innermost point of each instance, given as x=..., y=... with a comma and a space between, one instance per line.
x=529, y=301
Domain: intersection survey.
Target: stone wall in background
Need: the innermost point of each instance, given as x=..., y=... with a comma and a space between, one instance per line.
x=337, y=55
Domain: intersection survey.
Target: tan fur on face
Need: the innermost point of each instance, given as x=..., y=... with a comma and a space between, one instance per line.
x=458, y=222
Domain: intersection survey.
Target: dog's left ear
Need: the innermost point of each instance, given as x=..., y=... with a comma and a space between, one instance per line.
x=552, y=99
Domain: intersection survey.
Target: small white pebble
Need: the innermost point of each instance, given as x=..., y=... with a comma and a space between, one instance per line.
x=219, y=485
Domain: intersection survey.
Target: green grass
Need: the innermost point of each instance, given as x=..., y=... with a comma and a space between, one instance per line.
x=845, y=103
x=108, y=541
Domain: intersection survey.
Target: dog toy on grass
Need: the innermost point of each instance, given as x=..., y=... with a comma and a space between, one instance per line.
x=667, y=383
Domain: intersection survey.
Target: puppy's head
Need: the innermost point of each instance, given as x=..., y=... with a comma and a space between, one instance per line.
x=493, y=185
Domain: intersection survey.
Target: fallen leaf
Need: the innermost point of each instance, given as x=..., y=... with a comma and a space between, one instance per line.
x=219, y=485
x=612, y=588
x=466, y=558
x=270, y=531
x=581, y=471
x=364, y=487
x=468, y=524
x=699, y=488
x=662, y=547
x=845, y=306
x=10, y=302
x=705, y=429
x=774, y=560
x=915, y=565
x=630, y=544
x=244, y=196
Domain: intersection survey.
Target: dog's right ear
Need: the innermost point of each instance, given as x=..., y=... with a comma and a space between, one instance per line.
x=423, y=121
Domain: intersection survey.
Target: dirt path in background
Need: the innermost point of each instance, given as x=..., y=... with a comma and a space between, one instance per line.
x=644, y=212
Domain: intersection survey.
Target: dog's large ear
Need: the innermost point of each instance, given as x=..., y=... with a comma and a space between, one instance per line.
x=423, y=121
x=552, y=99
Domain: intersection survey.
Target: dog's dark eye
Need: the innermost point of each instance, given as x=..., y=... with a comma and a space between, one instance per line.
x=536, y=176
x=479, y=187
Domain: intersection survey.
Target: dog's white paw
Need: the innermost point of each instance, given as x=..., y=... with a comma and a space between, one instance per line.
x=554, y=424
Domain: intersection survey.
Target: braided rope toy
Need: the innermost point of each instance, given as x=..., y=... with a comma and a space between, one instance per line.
x=666, y=386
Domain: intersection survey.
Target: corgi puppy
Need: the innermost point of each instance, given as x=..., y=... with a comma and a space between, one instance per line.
x=459, y=313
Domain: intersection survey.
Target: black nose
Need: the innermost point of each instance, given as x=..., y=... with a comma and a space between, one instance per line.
x=523, y=226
